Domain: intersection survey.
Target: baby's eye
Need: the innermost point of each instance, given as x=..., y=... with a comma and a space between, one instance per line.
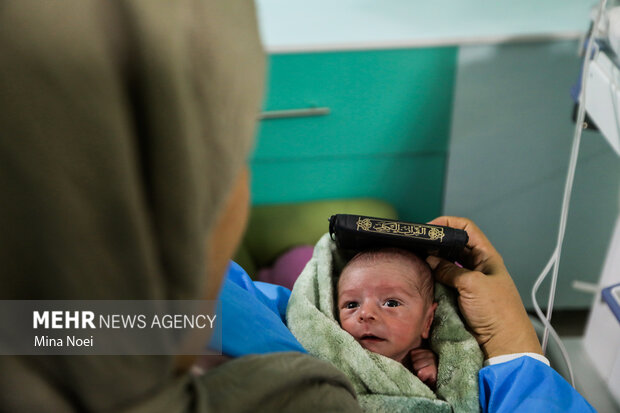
x=351, y=304
x=392, y=303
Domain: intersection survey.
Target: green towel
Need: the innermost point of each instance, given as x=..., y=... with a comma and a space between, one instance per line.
x=382, y=384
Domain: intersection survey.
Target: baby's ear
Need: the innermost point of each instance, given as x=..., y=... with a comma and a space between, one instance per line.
x=428, y=321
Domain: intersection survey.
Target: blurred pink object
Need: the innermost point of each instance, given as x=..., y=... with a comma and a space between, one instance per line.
x=287, y=267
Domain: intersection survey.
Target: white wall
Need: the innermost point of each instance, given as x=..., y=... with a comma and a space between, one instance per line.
x=602, y=337
x=509, y=151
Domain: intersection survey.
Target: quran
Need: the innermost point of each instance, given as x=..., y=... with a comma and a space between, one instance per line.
x=357, y=232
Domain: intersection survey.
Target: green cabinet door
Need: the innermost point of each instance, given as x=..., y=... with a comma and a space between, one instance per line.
x=386, y=132
x=410, y=183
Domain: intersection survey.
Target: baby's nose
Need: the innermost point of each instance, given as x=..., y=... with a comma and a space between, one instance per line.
x=367, y=312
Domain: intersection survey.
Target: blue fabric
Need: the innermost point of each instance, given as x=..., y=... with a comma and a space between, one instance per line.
x=527, y=385
x=253, y=317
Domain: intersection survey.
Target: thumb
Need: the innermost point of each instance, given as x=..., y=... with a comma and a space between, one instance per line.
x=446, y=272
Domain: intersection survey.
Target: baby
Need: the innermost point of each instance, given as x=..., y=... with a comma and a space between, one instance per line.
x=385, y=301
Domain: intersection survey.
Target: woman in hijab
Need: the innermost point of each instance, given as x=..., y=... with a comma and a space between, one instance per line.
x=124, y=132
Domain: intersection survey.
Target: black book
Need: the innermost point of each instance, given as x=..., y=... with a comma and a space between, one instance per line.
x=358, y=233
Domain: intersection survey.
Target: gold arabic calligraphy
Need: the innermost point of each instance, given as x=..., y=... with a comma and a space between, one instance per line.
x=401, y=228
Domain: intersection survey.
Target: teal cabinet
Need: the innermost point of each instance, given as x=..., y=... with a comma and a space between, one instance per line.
x=386, y=134
x=411, y=183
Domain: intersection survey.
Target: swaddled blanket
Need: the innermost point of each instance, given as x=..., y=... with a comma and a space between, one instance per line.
x=382, y=384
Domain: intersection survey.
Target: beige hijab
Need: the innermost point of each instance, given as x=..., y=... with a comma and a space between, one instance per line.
x=123, y=125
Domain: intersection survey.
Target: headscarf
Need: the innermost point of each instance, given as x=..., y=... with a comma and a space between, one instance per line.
x=123, y=125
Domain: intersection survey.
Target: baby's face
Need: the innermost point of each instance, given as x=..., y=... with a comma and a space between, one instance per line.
x=380, y=306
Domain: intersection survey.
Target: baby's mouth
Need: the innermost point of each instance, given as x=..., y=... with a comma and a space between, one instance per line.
x=369, y=338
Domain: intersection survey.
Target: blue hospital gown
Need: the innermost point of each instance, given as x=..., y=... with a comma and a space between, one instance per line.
x=520, y=385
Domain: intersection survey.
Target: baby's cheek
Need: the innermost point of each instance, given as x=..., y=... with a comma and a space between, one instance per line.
x=345, y=323
x=350, y=328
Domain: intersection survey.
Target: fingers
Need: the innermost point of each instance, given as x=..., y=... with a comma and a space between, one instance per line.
x=476, y=236
x=446, y=272
x=428, y=375
x=479, y=253
x=424, y=365
x=422, y=358
x=420, y=354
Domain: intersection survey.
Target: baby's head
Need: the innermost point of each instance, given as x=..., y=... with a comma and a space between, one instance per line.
x=385, y=301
